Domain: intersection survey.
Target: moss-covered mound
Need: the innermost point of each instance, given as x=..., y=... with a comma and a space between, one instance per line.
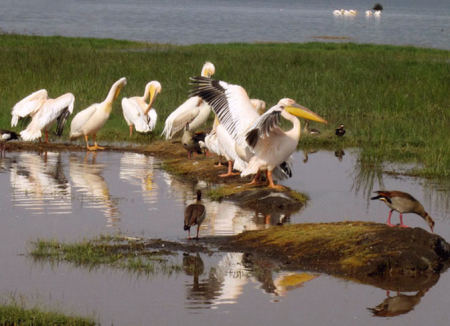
x=350, y=248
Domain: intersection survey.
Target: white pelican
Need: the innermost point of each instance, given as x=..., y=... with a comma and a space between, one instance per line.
x=138, y=113
x=91, y=120
x=377, y=13
x=338, y=12
x=271, y=145
x=28, y=106
x=50, y=112
x=6, y=135
x=369, y=13
x=195, y=111
x=194, y=214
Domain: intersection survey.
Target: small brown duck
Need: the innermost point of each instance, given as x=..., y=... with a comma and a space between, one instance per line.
x=403, y=202
x=194, y=214
x=6, y=135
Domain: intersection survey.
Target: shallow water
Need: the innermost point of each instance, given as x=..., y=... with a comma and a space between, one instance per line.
x=71, y=196
x=403, y=22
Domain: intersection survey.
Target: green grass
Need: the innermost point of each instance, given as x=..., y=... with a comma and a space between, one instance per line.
x=115, y=252
x=18, y=315
x=393, y=100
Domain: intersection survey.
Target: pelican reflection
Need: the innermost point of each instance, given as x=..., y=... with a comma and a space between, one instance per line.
x=86, y=175
x=38, y=183
x=138, y=170
x=226, y=281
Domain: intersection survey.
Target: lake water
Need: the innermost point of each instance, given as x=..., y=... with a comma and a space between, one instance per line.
x=72, y=196
x=402, y=22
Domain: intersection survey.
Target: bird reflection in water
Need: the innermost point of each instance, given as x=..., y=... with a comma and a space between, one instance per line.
x=306, y=153
x=87, y=179
x=397, y=305
x=339, y=153
x=276, y=284
x=222, y=285
x=38, y=183
x=138, y=170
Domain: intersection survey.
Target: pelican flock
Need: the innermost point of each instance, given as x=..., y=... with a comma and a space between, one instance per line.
x=89, y=121
x=138, y=113
x=249, y=137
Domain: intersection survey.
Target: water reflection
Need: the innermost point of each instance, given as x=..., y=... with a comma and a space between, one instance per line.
x=367, y=172
x=226, y=281
x=87, y=179
x=397, y=305
x=138, y=170
x=38, y=183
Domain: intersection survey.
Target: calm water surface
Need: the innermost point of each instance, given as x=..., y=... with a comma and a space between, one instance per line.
x=403, y=22
x=71, y=196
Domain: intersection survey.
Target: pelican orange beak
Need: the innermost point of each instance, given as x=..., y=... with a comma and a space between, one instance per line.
x=302, y=112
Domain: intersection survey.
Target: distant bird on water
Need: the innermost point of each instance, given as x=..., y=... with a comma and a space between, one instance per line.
x=194, y=214
x=403, y=202
x=6, y=135
x=340, y=131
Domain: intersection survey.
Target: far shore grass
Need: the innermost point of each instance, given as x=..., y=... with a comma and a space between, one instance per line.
x=394, y=101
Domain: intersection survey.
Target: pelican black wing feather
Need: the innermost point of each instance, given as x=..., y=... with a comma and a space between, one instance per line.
x=214, y=94
x=267, y=123
x=61, y=121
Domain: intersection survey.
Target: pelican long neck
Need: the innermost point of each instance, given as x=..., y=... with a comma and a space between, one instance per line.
x=146, y=93
x=112, y=95
x=294, y=133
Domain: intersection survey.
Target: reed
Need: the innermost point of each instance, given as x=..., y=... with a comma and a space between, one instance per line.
x=15, y=313
x=393, y=100
x=112, y=251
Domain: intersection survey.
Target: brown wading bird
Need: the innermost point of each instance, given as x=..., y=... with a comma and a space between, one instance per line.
x=403, y=202
x=6, y=135
x=194, y=214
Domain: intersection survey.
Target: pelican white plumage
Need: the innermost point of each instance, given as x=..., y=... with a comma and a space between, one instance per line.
x=50, y=112
x=194, y=111
x=28, y=106
x=369, y=13
x=338, y=12
x=271, y=145
x=138, y=113
x=377, y=13
x=90, y=120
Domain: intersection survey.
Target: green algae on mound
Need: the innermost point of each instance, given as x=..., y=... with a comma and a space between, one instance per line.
x=351, y=248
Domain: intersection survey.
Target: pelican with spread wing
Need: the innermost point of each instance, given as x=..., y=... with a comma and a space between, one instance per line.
x=271, y=145
x=194, y=111
x=45, y=112
x=138, y=113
